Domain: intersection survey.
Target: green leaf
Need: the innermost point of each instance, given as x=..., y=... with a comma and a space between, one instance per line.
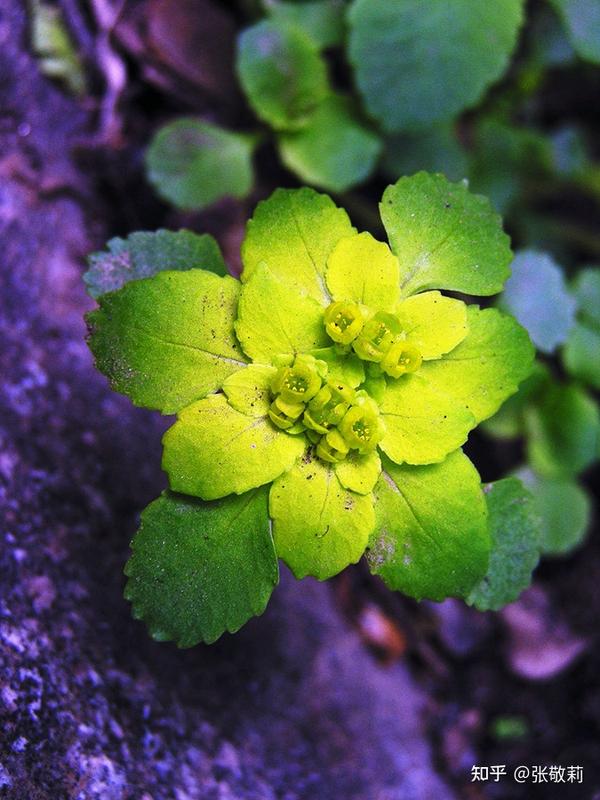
x=445, y=237
x=416, y=65
x=537, y=295
x=213, y=450
x=563, y=432
x=433, y=323
x=200, y=569
x=293, y=232
x=282, y=73
x=334, y=150
x=436, y=149
x=487, y=366
x=359, y=473
x=321, y=20
x=422, y=423
x=581, y=354
x=514, y=527
x=272, y=320
x=348, y=277
x=52, y=44
x=249, y=390
x=564, y=509
x=168, y=340
x=587, y=292
x=143, y=254
x=431, y=535
x=318, y=526
x=509, y=421
x=192, y=163
x=582, y=22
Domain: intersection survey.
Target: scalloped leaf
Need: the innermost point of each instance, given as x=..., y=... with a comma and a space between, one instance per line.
x=444, y=236
x=515, y=531
x=213, y=450
x=318, y=526
x=168, y=340
x=192, y=163
x=431, y=536
x=416, y=64
x=293, y=232
x=487, y=366
x=200, y=569
x=272, y=320
x=144, y=254
x=282, y=73
x=364, y=270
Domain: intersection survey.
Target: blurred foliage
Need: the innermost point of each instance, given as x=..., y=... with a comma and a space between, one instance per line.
x=51, y=43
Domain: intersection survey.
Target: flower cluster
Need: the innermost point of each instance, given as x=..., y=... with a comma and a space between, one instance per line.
x=337, y=373
x=335, y=417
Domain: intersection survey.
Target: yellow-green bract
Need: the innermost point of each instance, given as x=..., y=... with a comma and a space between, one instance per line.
x=336, y=373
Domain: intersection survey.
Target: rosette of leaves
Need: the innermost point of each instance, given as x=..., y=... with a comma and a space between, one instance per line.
x=556, y=414
x=321, y=403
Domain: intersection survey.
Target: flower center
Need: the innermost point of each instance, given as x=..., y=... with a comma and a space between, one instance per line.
x=334, y=417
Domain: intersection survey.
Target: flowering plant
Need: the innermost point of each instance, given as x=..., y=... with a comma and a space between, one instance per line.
x=321, y=404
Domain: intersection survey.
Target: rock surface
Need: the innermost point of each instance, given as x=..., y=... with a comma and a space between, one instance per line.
x=90, y=707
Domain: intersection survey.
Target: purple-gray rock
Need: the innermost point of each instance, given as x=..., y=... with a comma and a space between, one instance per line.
x=90, y=707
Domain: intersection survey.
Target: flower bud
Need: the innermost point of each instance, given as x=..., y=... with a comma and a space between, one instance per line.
x=328, y=406
x=332, y=447
x=299, y=382
x=401, y=358
x=376, y=336
x=362, y=427
x=284, y=414
x=344, y=321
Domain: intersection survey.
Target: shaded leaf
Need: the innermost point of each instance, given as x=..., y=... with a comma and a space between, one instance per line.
x=582, y=21
x=321, y=20
x=143, y=254
x=562, y=432
x=200, y=569
x=564, y=510
x=417, y=65
x=192, y=163
x=515, y=530
x=334, y=150
x=537, y=295
x=282, y=73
